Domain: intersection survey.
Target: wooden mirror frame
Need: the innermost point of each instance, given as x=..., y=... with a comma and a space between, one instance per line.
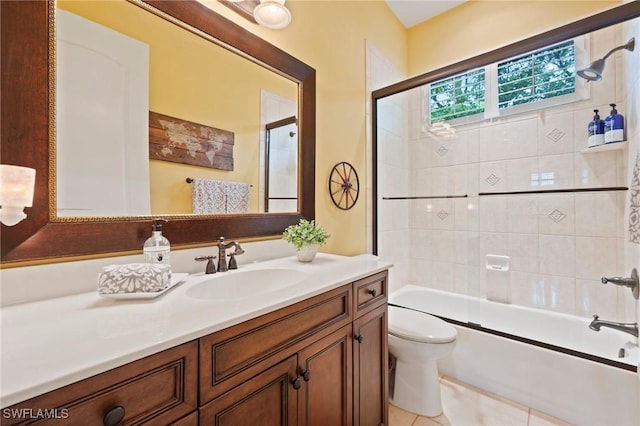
x=27, y=135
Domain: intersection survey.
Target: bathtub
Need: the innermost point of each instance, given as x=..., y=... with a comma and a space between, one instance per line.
x=547, y=361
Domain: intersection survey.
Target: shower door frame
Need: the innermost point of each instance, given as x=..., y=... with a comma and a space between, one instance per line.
x=625, y=12
x=617, y=15
x=267, y=155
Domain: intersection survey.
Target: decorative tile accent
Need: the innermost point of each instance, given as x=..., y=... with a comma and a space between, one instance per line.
x=557, y=216
x=556, y=134
x=442, y=215
x=634, y=201
x=442, y=151
x=492, y=179
x=634, y=224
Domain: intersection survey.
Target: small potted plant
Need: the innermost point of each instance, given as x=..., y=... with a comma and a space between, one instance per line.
x=307, y=237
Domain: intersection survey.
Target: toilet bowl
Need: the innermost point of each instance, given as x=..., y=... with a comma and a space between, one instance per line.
x=418, y=340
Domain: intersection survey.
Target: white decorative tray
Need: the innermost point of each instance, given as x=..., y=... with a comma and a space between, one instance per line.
x=176, y=278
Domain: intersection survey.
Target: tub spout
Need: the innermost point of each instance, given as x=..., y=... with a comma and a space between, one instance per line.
x=631, y=328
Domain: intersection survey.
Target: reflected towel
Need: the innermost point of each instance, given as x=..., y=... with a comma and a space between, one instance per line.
x=237, y=197
x=208, y=196
x=134, y=277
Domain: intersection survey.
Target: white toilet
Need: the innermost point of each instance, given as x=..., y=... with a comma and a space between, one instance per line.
x=417, y=340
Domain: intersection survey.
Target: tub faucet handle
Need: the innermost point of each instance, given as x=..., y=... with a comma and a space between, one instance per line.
x=632, y=282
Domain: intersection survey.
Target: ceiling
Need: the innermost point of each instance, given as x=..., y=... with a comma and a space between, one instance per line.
x=412, y=12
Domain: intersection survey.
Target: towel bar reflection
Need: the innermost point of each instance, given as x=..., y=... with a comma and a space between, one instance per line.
x=190, y=180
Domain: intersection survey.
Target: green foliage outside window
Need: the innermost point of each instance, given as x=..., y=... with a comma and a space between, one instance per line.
x=537, y=76
x=533, y=77
x=457, y=96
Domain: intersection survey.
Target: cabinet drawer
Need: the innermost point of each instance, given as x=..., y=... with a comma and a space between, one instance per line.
x=233, y=355
x=370, y=292
x=158, y=389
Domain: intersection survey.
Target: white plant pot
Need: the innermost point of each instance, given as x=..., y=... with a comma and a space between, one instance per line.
x=307, y=253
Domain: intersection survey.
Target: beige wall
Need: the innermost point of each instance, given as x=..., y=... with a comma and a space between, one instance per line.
x=480, y=26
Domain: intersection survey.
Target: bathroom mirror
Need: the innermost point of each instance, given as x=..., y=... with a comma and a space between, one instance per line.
x=114, y=56
x=28, y=48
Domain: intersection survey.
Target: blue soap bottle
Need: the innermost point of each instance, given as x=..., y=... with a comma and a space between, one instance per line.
x=596, y=131
x=614, y=126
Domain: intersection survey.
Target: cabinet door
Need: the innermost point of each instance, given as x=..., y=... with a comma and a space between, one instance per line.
x=325, y=368
x=370, y=364
x=268, y=399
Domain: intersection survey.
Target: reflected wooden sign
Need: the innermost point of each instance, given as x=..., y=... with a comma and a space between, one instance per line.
x=186, y=142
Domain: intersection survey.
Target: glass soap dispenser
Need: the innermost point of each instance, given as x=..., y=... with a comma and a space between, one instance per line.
x=157, y=248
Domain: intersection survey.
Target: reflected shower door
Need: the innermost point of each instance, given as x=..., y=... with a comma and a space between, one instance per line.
x=281, y=172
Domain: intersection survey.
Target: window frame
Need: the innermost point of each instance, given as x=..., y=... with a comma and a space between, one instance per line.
x=492, y=111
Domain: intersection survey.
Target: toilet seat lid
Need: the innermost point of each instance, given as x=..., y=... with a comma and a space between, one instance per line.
x=419, y=326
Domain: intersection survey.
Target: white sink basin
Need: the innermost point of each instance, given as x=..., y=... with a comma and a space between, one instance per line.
x=240, y=284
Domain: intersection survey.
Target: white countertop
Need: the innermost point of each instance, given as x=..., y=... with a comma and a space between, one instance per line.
x=56, y=342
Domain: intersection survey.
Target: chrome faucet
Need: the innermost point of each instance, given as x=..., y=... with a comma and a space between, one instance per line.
x=222, y=255
x=631, y=328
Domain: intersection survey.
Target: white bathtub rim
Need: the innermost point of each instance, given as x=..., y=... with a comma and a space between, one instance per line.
x=600, y=347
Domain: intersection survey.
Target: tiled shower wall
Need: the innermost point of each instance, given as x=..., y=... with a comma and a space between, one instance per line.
x=559, y=245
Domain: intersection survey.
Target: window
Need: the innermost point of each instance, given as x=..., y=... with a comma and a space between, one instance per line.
x=537, y=76
x=535, y=80
x=458, y=96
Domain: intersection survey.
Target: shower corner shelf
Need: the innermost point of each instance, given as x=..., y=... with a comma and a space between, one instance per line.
x=614, y=146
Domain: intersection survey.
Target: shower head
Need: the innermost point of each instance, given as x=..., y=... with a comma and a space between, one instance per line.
x=594, y=71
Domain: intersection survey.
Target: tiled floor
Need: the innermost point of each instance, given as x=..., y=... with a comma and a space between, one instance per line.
x=465, y=405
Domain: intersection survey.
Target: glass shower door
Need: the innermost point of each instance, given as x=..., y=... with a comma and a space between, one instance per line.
x=281, y=179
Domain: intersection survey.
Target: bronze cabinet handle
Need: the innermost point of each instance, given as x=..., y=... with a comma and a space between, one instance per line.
x=113, y=416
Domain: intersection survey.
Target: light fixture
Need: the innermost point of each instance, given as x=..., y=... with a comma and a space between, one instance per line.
x=16, y=192
x=268, y=13
x=272, y=14
x=594, y=71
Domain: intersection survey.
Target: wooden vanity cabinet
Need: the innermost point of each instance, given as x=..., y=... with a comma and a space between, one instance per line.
x=238, y=353
x=321, y=361
x=292, y=366
x=311, y=387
